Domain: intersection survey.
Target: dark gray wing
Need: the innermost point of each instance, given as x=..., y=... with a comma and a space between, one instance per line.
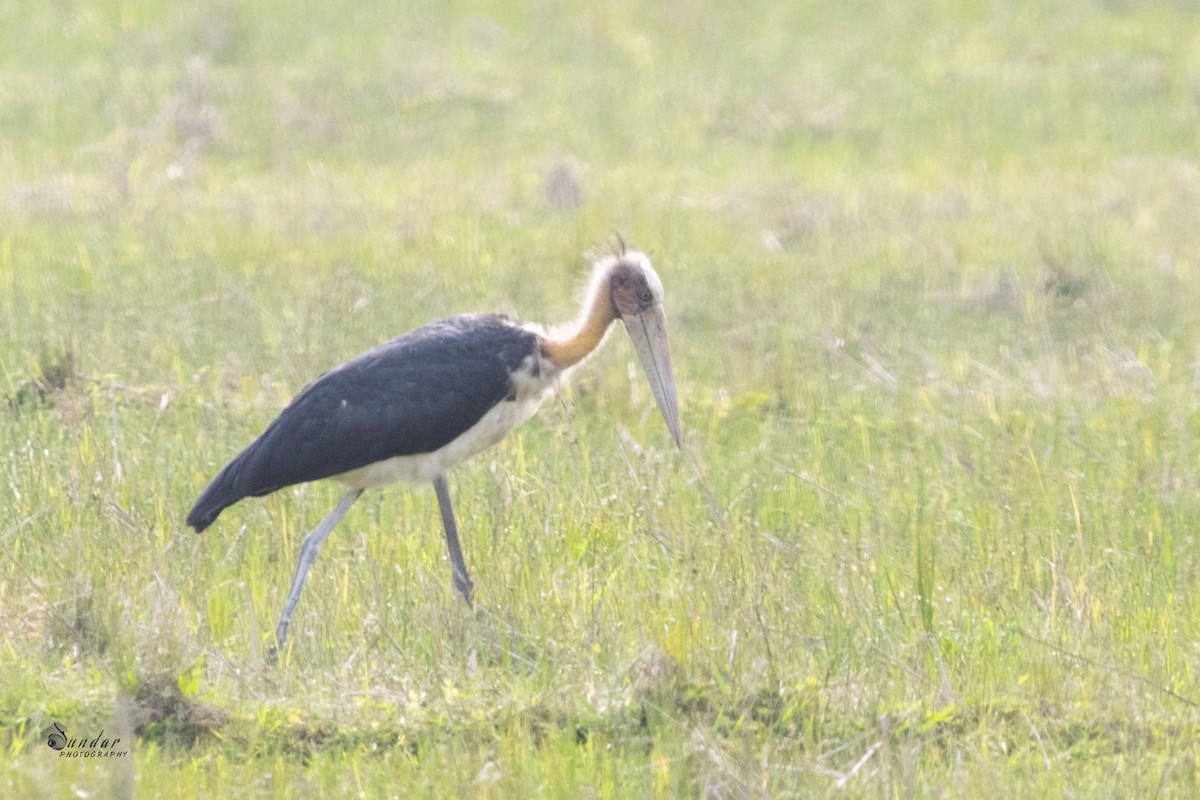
x=411, y=395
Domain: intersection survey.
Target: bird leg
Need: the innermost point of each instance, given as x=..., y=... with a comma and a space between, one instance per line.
x=462, y=578
x=308, y=554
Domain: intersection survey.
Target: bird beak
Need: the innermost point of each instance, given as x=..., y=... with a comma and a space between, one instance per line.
x=648, y=330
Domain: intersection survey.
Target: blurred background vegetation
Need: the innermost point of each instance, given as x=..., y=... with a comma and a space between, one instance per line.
x=931, y=273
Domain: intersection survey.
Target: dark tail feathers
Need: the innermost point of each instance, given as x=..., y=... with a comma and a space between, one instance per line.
x=217, y=496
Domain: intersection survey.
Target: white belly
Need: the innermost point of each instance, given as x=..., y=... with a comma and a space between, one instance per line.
x=423, y=468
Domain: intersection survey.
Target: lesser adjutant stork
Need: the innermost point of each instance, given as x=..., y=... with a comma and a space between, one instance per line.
x=412, y=408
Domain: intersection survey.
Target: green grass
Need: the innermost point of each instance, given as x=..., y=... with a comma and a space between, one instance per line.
x=931, y=276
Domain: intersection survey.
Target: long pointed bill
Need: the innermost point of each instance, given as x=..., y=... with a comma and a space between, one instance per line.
x=649, y=333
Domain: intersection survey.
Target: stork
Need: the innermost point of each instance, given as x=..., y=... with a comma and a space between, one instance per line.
x=418, y=405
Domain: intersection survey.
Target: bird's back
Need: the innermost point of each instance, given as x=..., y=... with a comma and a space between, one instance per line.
x=409, y=396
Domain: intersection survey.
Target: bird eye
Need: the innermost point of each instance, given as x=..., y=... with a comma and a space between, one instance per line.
x=646, y=297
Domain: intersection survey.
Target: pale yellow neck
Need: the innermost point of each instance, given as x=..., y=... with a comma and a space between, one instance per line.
x=568, y=345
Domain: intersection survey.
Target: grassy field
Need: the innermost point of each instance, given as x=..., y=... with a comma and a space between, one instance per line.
x=932, y=273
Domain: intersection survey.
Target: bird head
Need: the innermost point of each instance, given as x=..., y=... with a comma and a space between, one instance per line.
x=636, y=294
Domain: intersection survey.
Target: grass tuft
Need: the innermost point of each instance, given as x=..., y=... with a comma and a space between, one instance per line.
x=163, y=709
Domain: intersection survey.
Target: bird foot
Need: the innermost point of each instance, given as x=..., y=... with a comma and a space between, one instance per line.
x=466, y=587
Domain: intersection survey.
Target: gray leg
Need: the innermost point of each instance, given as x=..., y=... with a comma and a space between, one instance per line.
x=462, y=578
x=308, y=554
